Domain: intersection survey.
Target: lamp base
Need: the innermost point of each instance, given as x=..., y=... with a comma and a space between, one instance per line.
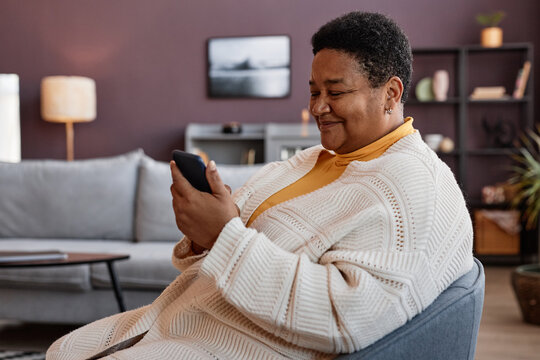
x=69, y=141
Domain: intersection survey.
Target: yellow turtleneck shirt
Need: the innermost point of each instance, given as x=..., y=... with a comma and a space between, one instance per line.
x=330, y=166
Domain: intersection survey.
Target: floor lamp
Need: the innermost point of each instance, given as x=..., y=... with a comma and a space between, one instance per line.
x=68, y=99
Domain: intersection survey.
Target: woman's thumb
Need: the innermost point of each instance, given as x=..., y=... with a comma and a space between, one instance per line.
x=214, y=180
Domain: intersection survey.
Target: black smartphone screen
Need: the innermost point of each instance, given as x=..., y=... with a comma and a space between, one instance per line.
x=193, y=169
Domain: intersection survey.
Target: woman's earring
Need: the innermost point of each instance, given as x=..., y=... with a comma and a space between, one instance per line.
x=388, y=111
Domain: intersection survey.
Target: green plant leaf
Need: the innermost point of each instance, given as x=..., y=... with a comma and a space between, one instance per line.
x=526, y=177
x=490, y=19
x=482, y=19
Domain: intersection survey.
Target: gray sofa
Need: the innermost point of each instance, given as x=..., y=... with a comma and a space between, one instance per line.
x=119, y=204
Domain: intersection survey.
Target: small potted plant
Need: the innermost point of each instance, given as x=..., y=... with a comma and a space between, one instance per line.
x=492, y=34
x=526, y=180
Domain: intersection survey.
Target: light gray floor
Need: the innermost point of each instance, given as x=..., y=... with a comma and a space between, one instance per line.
x=503, y=335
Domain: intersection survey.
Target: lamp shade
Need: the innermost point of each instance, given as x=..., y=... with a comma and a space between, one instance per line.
x=68, y=99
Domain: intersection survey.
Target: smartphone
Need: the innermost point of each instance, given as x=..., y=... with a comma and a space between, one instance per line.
x=193, y=169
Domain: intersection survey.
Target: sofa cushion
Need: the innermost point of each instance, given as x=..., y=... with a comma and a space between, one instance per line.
x=149, y=266
x=79, y=199
x=154, y=216
x=154, y=219
x=236, y=175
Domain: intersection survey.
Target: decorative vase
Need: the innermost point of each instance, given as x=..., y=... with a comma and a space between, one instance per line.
x=526, y=284
x=446, y=145
x=492, y=37
x=441, y=81
x=433, y=141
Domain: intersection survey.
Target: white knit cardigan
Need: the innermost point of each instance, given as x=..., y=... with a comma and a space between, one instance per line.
x=328, y=272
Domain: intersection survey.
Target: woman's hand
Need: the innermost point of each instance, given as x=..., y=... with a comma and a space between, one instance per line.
x=199, y=215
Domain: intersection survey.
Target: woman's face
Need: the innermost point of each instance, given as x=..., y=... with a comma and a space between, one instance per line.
x=349, y=113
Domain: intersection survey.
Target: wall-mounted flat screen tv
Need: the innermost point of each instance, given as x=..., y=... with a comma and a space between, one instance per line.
x=249, y=67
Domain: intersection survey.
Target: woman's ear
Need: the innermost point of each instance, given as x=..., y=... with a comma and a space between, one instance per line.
x=394, y=91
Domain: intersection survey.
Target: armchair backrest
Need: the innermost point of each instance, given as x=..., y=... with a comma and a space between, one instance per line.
x=446, y=330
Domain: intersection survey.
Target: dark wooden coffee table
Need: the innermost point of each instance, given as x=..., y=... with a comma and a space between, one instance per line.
x=79, y=259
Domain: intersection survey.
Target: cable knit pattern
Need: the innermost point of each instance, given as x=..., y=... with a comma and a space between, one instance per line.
x=327, y=272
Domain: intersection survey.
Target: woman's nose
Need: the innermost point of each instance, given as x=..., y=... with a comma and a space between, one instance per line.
x=319, y=106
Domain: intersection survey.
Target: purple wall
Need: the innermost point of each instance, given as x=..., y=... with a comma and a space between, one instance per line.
x=149, y=59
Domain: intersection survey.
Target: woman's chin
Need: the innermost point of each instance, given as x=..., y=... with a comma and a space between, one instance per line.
x=332, y=138
x=329, y=144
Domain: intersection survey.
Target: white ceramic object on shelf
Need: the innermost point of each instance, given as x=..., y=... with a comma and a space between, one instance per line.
x=424, y=89
x=441, y=82
x=433, y=141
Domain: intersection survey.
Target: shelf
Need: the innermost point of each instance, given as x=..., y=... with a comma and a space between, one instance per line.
x=292, y=131
x=524, y=100
x=212, y=137
x=473, y=48
x=508, y=260
x=478, y=204
x=450, y=101
x=504, y=47
x=436, y=50
x=455, y=100
x=492, y=151
x=451, y=153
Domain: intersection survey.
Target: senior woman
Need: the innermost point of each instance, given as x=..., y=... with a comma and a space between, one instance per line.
x=322, y=254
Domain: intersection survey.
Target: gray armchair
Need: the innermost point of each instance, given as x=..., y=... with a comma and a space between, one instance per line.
x=446, y=330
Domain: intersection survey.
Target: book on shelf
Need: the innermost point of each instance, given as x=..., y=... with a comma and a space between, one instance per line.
x=521, y=80
x=489, y=93
x=18, y=256
x=248, y=157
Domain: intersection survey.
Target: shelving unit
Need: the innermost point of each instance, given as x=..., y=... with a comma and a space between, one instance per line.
x=284, y=140
x=271, y=141
x=474, y=161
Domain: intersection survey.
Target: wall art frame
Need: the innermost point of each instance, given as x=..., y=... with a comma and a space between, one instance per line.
x=249, y=67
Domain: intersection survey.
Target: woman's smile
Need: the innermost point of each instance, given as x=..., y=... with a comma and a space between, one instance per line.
x=327, y=124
